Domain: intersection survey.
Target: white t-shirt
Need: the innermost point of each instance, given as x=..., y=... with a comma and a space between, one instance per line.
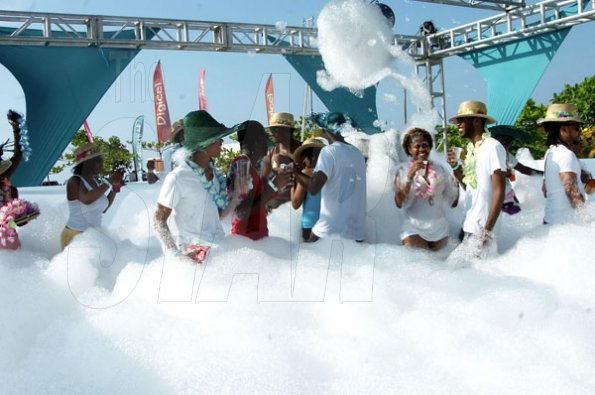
x=343, y=201
x=559, y=159
x=491, y=157
x=422, y=218
x=194, y=214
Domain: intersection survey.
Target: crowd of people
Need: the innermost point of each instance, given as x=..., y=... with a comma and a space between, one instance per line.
x=325, y=176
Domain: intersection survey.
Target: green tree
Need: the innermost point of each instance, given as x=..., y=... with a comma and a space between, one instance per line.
x=453, y=138
x=115, y=152
x=527, y=122
x=583, y=97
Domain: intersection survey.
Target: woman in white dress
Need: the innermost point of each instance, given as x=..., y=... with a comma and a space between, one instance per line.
x=424, y=190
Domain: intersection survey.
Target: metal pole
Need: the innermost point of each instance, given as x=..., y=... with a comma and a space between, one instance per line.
x=306, y=90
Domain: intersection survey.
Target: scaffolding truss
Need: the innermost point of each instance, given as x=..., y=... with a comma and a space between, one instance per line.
x=518, y=21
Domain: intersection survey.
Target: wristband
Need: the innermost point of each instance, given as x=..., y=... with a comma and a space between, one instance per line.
x=174, y=252
x=273, y=186
x=459, y=163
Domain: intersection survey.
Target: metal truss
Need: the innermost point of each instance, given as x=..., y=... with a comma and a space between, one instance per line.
x=498, y=5
x=152, y=33
x=517, y=22
x=542, y=17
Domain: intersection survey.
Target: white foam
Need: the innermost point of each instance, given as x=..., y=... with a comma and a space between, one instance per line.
x=356, y=45
x=335, y=316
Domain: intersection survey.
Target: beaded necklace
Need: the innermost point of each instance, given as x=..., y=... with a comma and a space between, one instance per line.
x=219, y=197
x=469, y=176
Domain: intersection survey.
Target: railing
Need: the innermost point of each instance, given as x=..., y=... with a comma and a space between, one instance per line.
x=153, y=33
x=519, y=23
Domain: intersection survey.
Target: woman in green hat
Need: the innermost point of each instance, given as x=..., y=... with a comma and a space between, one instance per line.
x=194, y=193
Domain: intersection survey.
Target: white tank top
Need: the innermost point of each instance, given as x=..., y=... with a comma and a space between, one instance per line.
x=82, y=216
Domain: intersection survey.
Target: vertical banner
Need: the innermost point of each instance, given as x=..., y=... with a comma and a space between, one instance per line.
x=88, y=131
x=202, y=91
x=137, y=149
x=161, y=111
x=269, y=96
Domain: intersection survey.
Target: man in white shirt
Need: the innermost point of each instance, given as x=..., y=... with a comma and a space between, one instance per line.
x=563, y=188
x=340, y=175
x=482, y=174
x=194, y=194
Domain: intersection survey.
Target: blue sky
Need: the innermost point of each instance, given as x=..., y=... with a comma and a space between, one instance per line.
x=235, y=82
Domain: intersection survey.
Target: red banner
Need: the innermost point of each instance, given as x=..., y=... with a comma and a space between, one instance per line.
x=161, y=111
x=202, y=91
x=88, y=130
x=269, y=96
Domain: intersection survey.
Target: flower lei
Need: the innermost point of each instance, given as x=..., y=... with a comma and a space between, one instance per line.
x=469, y=176
x=219, y=197
x=427, y=188
x=9, y=214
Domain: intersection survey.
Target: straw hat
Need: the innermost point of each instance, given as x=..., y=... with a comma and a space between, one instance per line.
x=472, y=109
x=86, y=152
x=281, y=120
x=563, y=112
x=201, y=130
x=312, y=142
x=4, y=165
x=176, y=128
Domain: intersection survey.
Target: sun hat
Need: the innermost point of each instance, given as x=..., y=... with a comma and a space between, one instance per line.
x=4, y=165
x=86, y=152
x=561, y=112
x=281, y=120
x=510, y=131
x=472, y=109
x=176, y=128
x=312, y=142
x=201, y=130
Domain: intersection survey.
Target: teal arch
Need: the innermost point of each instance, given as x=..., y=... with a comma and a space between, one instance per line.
x=62, y=85
x=512, y=71
x=361, y=108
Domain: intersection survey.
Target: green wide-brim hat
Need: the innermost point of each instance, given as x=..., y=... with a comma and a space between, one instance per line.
x=510, y=131
x=201, y=130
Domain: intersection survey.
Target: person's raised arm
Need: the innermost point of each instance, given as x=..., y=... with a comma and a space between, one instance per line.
x=18, y=152
x=298, y=192
x=75, y=190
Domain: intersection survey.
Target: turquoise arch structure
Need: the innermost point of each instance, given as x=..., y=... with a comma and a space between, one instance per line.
x=512, y=71
x=62, y=85
x=361, y=108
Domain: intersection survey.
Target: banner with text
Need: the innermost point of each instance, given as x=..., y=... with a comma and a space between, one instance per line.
x=137, y=139
x=269, y=96
x=161, y=110
x=88, y=131
x=202, y=91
